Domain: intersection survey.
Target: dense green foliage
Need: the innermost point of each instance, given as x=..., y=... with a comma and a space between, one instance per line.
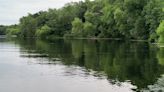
x=77, y=28
x=126, y=19
x=43, y=32
x=12, y=30
x=2, y=30
x=59, y=21
x=9, y=30
x=160, y=32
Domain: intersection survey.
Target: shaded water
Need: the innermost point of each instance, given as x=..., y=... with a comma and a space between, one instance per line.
x=80, y=66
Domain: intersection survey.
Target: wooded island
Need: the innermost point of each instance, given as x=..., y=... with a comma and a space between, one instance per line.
x=124, y=19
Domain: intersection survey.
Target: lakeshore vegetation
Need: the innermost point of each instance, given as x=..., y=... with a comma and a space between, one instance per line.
x=124, y=19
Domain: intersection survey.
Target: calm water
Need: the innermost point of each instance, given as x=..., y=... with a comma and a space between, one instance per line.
x=80, y=66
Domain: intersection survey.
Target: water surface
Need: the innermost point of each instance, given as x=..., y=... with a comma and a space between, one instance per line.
x=80, y=66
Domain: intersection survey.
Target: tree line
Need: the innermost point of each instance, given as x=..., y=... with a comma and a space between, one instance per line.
x=125, y=19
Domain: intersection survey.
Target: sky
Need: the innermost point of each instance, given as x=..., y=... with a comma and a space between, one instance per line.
x=12, y=10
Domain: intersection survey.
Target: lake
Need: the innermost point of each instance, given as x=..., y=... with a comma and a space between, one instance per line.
x=80, y=66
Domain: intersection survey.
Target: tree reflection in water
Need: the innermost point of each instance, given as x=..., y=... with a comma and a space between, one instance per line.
x=137, y=62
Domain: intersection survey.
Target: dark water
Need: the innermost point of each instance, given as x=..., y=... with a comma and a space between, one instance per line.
x=80, y=66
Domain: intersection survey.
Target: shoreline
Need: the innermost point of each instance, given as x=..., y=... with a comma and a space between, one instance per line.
x=160, y=45
x=81, y=38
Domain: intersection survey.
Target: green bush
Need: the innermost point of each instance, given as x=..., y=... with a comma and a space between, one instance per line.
x=160, y=32
x=89, y=29
x=43, y=31
x=2, y=30
x=12, y=31
x=77, y=27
